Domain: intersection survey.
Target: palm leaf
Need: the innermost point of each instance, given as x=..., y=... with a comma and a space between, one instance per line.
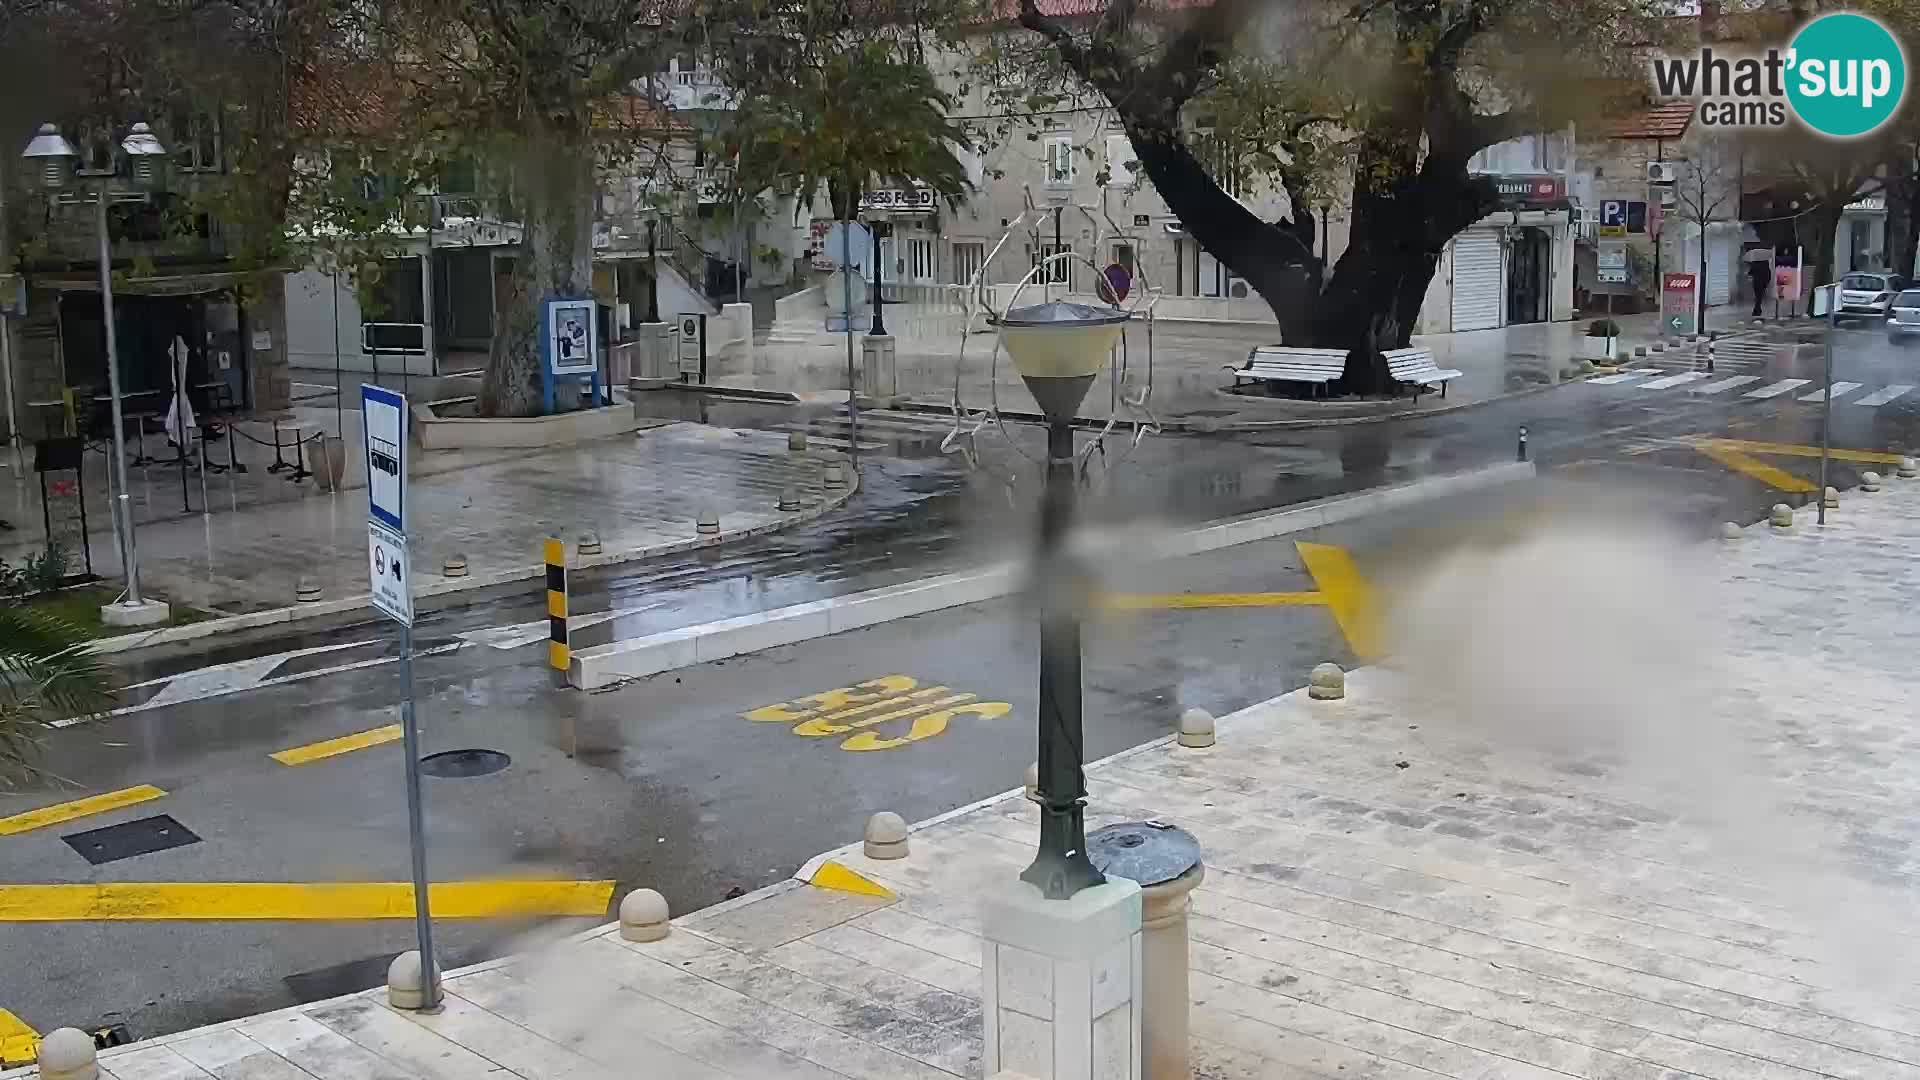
x=46, y=676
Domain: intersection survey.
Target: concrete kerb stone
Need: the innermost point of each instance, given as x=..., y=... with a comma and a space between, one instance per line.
x=432, y=588
x=608, y=665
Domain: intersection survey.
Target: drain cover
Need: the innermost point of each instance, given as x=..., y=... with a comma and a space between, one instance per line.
x=124, y=841
x=457, y=764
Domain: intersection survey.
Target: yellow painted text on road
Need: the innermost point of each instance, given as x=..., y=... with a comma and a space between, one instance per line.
x=1348, y=596
x=78, y=808
x=849, y=710
x=345, y=744
x=1158, y=601
x=1740, y=456
x=252, y=900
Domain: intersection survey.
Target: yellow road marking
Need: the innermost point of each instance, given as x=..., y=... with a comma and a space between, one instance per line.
x=832, y=875
x=820, y=725
x=926, y=727
x=78, y=808
x=1802, y=450
x=249, y=900
x=1347, y=595
x=1155, y=601
x=19, y=1043
x=1748, y=465
x=345, y=744
x=874, y=702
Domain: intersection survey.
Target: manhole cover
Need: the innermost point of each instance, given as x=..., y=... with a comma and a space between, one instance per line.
x=456, y=764
x=124, y=841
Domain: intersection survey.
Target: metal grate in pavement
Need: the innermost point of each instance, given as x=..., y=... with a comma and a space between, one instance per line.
x=130, y=838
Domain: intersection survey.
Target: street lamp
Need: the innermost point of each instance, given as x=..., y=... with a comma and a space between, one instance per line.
x=55, y=156
x=1058, y=348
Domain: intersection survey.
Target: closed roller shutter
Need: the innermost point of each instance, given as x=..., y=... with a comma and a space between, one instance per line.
x=1720, y=245
x=1476, y=280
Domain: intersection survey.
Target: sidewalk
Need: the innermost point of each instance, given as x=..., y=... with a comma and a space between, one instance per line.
x=639, y=493
x=1188, y=377
x=1549, y=845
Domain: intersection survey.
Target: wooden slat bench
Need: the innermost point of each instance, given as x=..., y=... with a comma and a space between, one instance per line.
x=1280, y=363
x=1416, y=366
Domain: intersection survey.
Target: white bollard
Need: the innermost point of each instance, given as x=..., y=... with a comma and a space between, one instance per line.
x=454, y=566
x=796, y=441
x=789, y=498
x=1869, y=481
x=1729, y=531
x=1907, y=469
x=886, y=836
x=1033, y=782
x=1830, y=498
x=1327, y=683
x=1196, y=729
x=307, y=591
x=405, y=988
x=1164, y=966
x=1780, y=517
x=589, y=544
x=644, y=916
x=834, y=476
x=707, y=524
x=68, y=1054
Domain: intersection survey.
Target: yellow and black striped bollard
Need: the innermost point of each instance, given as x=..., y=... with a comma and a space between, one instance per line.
x=559, y=651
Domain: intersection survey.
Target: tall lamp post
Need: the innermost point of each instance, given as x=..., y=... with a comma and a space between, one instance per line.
x=1058, y=348
x=55, y=156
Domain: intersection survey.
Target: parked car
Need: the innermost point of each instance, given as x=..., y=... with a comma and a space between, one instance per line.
x=1903, y=316
x=1868, y=293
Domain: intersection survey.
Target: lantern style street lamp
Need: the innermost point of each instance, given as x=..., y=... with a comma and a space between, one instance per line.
x=55, y=157
x=1058, y=348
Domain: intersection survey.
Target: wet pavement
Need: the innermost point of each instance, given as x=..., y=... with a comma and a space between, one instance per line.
x=666, y=784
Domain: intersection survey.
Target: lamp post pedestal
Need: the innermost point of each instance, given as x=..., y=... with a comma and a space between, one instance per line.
x=143, y=612
x=653, y=349
x=879, y=379
x=1061, y=981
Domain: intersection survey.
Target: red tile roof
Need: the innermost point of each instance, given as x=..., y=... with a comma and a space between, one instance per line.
x=1663, y=120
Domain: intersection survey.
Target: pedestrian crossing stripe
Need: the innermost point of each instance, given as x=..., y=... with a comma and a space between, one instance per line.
x=1775, y=389
x=1843, y=391
x=1674, y=380
x=1886, y=394
x=1726, y=384
x=1840, y=389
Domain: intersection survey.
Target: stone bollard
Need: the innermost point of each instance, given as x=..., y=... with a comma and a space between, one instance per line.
x=1781, y=517
x=886, y=836
x=797, y=441
x=1165, y=861
x=307, y=591
x=1729, y=531
x=454, y=566
x=1196, y=729
x=1907, y=469
x=1658, y=346
x=644, y=916
x=1830, y=498
x=1033, y=781
x=405, y=988
x=1869, y=481
x=68, y=1054
x=707, y=524
x=589, y=544
x=789, y=498
x=1327, y=683
x=834, y=476
x=1639, y=352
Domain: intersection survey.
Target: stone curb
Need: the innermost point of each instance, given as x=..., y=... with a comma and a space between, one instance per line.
x=171, y=635
x=606, y=665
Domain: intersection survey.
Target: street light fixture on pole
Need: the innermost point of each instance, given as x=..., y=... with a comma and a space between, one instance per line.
x=56, y=156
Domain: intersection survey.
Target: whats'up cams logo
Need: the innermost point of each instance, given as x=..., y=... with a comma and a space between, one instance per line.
x=1843, y=75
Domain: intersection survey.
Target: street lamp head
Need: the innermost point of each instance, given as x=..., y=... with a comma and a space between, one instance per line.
x=54, y=154
x=145, y=152
x=1058, y=348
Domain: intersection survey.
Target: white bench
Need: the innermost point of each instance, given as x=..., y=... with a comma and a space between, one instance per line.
x=1280, y=363
x=1416, y=366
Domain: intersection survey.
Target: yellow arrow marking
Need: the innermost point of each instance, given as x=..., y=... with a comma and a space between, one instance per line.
x=78, y=808
x=1154, y=601
x=294, y=900
x=1801, y=450
x=1347, y=595
x=832, y=875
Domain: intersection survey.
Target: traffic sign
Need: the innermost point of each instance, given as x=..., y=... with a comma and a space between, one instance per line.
x=389, y=573
x=383, y=416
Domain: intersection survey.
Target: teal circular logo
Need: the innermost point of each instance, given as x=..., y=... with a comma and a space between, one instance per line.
x=1846, y=74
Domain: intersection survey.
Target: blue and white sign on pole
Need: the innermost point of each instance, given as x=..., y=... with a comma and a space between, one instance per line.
x=383, y=416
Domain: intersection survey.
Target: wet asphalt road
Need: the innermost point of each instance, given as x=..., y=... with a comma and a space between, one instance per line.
x=664, y=783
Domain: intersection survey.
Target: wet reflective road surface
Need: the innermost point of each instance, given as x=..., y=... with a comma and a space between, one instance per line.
x=726, y=776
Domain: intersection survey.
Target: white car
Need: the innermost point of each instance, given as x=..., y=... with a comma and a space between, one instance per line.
x=1868, y=293
x=1903, y=316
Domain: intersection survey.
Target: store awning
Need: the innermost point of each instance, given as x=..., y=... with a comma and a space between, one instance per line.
x=187, y=284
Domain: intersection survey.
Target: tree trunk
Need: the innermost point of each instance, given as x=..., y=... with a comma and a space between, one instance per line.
x=554, y=187
x=1903, y=224
x=1825, y=223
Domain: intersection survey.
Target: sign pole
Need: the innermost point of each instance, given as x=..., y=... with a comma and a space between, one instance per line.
x=1826, y=400
x=416, y=828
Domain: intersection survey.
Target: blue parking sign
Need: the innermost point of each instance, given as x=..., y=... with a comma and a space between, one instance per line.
x=383, y=416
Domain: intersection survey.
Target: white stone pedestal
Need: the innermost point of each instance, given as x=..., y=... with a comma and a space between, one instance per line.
x=878, y=375
x=652, y=356
x=148, y=612
x=1062, y=982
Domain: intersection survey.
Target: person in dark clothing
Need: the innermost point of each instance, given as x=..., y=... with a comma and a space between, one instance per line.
x=1760, y=272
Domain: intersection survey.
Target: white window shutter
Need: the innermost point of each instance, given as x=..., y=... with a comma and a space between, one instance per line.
x=1122, y=163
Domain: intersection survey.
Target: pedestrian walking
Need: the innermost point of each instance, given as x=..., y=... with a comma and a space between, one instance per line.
x=1760, y=272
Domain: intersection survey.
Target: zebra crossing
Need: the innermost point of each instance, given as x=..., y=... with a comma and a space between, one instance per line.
x=1811, y=393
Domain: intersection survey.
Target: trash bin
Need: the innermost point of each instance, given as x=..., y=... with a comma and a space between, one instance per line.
x=1164, y=860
